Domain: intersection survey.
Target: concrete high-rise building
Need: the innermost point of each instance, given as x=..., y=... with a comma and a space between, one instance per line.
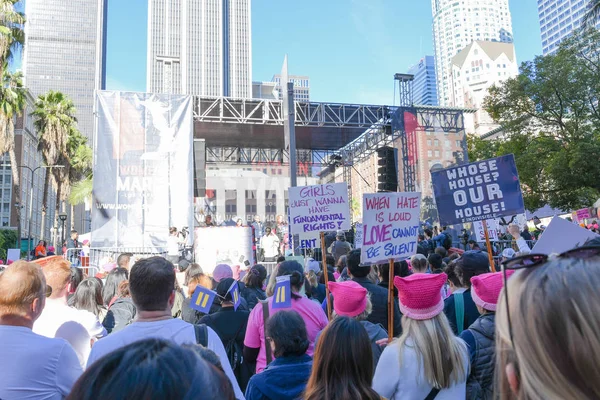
x=424, y=84
x=301, y=87
x=558, y=19
x=456, y=24
x=64, y=51
x=474, y=70
x=200, y=47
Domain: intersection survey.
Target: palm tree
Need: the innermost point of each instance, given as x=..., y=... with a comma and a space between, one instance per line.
x=54, y=118
x=12, y=35
x=593, y=13
x=12, y=102
x=80, y=166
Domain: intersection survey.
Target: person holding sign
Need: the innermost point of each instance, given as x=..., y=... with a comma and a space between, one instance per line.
x=427, y=361
x=290, y=293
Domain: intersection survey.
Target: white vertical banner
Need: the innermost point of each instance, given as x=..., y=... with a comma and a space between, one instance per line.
x=143, y=169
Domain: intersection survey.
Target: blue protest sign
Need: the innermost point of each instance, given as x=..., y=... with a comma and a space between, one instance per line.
x=202, y=299
x=234, y=289
x=282, y=297
x=481, y=190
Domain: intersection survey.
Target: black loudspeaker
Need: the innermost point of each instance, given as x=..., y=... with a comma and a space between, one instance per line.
x=387, y=171
x=199, y=168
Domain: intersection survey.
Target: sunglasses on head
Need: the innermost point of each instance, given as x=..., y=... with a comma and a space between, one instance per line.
x=536, y=260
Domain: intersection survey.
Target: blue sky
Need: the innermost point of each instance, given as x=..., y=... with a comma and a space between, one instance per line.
x=350, y=49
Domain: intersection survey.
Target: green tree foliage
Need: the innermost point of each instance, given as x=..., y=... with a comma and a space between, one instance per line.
x=12, y=35
x=551, y=119
x=8, y=240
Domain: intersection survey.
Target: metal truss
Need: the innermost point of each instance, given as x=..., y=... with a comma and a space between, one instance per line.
x=241, y=155
x=268, y=112
x=446, y=119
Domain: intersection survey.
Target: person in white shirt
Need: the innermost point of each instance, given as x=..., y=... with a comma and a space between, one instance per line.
x=151, y=284
x=270, y=245
x=78, y=327
x=32, y=366
x=427, y=361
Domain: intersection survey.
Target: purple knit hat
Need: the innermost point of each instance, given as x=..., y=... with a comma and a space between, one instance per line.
x=221, y=272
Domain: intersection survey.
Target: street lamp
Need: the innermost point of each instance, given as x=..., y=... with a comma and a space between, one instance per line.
x=63, y=218
x=31, y=200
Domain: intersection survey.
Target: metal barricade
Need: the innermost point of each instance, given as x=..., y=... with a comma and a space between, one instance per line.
x=96, y=257
x=269, y=266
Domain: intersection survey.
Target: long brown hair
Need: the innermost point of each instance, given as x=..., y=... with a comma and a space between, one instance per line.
x=342, y=364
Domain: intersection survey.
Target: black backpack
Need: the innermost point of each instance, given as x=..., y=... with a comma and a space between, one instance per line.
x=447, y=241
x=235, y=353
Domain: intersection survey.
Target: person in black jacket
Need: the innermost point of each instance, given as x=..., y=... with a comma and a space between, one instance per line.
x=472, y=263
x=379, y=295
x=480, y=336
x=231, y=325
x=255, y=280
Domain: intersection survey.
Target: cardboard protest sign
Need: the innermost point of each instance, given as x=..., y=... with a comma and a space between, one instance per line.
x=492, y=226
x=318, y=208
x=560, y=236
x=478, y=191
x=358, y=235
x=583, y=214
x=390, y=226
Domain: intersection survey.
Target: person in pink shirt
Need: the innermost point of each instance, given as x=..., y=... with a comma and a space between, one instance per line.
x=311, y=312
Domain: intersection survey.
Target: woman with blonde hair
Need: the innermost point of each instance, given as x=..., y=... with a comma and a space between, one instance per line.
x=427, y=361
x=547, y=324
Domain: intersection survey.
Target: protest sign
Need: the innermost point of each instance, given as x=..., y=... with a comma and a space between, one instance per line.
x=13, y=255
x=492, y=226
x=390, y=226
x=482, y=190
x=583, y=214
x=358, y=235
x=560, y=236
x=318, y=208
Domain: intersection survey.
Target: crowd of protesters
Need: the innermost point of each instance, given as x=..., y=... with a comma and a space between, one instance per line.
x=461, y=330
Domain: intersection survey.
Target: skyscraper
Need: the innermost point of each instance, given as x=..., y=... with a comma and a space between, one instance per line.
x=474, y=70
x=64, y=51
x=424, y=85
x=200, y=47
x=301, y=87
x=558, y=19
x=456, y=24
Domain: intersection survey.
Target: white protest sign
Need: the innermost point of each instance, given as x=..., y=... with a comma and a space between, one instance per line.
x=13, y=255
x=492, y=226
x=358, y=235
x=390, y=226
x=319, y=208
x=560, y=236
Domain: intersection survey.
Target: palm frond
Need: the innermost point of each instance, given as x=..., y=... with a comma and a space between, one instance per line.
x=81, y=191
x=592, y=14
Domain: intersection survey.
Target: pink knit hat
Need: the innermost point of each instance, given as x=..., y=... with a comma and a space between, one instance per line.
x=221, y=272
x=485, y=289
x=350, y=298
x=420, y=295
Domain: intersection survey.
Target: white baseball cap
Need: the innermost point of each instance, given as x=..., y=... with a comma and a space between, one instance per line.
x=508, y=253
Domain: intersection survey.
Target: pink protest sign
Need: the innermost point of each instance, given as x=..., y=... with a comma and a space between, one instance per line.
x=583, y=214
x=390, y=226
